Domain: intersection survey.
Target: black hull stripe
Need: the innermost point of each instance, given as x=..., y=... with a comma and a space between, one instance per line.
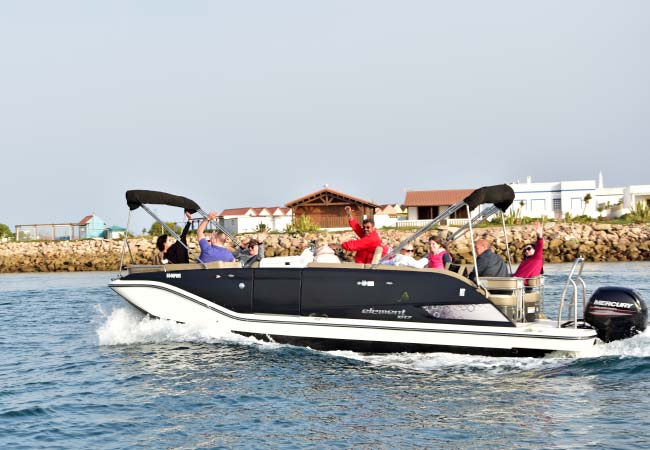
x=330, y=325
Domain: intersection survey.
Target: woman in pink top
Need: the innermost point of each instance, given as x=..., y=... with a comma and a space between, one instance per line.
x=533, y=263
x=438, y=255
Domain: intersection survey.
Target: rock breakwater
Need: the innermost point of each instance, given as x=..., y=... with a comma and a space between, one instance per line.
x=563, y=243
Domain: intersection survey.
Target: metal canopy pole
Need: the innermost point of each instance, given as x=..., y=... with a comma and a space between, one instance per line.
x=505, y=236
x=125, y=243
x=452, y=209
x=232, y=238
x=480, y=217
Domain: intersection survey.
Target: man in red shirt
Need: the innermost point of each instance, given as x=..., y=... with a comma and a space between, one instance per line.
x=368, y=240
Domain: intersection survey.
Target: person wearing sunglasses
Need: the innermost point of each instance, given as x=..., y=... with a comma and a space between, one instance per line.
x=533, y=263
x=405, y=257
x=252, y=251
x=368, y=240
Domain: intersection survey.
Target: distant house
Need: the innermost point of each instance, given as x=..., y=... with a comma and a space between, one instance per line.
x=90, y=226
x=326, y=208
x=427, y=205
x=585, y=197
x=114, y=232
x=246, y=220
x=388, y=215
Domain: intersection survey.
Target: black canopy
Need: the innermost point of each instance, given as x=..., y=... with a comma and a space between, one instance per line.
x=137, y=198
x=501, y=195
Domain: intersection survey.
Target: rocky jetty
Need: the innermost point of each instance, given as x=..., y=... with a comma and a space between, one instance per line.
x=563, y=243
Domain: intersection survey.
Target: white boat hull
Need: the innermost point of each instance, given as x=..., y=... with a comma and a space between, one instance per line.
x=163, y=301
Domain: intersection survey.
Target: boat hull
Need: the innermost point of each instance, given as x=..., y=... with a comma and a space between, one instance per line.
x=389, y=334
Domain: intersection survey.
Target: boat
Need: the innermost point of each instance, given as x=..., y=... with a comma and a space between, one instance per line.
x=378, y=308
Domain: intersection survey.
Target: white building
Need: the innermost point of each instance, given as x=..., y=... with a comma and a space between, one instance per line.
x=248, y=220
x=588, y=197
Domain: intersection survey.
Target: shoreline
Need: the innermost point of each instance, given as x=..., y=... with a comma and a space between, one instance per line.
x=563, y=243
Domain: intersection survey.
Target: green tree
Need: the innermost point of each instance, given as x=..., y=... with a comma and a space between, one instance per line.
x=586, y=199
x=5, y=231
x=157, y=229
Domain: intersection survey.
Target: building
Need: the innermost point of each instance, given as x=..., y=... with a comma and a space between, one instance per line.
x=422, y=206
x=326, y=208
x=248, y=220
x=90, y=226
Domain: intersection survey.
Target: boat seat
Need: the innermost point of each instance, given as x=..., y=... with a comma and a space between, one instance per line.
x=376, y=257
x=506, y=294
x=341, y=265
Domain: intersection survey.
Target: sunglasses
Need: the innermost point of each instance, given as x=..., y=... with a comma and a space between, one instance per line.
x=527, y=249
x=252, y=246
x=409, y=250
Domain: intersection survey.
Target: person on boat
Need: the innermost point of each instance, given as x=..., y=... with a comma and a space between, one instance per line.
x=368, y=240
x=405, y=258
x=170, y=252
x=214, y=249
x=324, y=253
x=533, y=262
x=488, y=263
x=252, y=251
x=438, y=256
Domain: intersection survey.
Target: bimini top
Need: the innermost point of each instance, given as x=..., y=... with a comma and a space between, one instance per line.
x=501, y=195
x=135, y=199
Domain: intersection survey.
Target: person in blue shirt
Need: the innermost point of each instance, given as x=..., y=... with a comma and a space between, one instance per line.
x=212, y=249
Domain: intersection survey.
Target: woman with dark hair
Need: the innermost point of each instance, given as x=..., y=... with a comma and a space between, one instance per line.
x=533, y=262
x=170, y=252
x=438, y=256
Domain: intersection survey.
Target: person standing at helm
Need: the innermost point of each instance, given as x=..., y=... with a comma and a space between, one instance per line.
x=368, y=240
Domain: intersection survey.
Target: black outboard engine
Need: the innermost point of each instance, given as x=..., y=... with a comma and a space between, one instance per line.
x=616, y=313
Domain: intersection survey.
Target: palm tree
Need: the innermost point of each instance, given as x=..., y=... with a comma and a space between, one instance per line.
x=586, y=199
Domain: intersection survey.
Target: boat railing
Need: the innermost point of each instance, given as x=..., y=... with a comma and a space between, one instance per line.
x=574, y=278
x=521, y=300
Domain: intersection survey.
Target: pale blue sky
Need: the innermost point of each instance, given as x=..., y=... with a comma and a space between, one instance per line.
x=258, y=103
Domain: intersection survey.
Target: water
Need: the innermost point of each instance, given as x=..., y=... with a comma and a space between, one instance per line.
x=81, y=369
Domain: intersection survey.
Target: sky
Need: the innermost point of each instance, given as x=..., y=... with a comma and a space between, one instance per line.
x=258, y=103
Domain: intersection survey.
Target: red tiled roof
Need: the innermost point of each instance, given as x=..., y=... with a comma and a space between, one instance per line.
x=254, y=212
x=86, y=219
x=436, y=198
x=331, y=191
x=234, y=212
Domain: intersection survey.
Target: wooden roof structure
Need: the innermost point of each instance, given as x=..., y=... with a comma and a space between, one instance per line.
x=326, y=208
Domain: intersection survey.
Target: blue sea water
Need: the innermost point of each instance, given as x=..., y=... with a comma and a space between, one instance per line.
x=81, y=369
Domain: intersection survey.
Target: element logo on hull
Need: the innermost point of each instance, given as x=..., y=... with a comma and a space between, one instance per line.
x=173, y=275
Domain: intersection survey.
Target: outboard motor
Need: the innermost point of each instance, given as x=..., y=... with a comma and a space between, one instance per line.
x=616, y=313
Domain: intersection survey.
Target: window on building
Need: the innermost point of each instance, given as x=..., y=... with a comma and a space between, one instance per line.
x=576, y=203
x=538, y=206
x=557, y=205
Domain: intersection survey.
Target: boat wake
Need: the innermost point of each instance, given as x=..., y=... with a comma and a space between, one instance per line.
x=126, y=326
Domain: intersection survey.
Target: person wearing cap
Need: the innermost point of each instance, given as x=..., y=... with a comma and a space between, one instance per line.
x=368, y=240
x=170, y=252
x=215, y=249
x=252, y=251
x=533, y=262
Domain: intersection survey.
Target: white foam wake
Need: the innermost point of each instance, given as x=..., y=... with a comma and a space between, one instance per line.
x=126, y=326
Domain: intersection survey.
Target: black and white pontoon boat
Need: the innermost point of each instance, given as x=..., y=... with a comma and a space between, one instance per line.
x=378, y=307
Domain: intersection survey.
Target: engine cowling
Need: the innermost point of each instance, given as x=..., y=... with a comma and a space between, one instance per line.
x=616, y=313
